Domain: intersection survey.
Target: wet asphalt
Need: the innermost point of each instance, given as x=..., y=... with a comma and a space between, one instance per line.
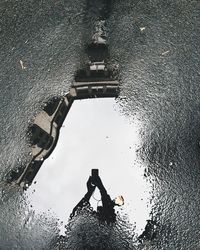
x=155, y=45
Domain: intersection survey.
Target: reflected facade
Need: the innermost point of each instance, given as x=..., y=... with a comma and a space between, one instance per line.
x=44, y=132
x=97, y=79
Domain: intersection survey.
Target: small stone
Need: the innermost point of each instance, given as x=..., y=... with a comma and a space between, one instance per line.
x=142, y=29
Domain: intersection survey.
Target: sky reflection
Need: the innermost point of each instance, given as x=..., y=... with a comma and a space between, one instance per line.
x=94, y=135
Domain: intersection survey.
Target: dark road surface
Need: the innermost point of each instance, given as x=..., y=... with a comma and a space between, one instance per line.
x=156, y=46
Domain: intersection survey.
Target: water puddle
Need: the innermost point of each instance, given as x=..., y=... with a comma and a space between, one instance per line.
x=94, y=134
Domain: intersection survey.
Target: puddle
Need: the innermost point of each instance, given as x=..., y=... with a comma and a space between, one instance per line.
x=94, y=134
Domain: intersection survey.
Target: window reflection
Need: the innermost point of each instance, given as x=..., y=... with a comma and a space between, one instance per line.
x=40, y=137
x=51, y=106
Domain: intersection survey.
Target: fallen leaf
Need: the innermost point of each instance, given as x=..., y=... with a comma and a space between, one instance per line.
x=22, y=64
x=142, y=28
x=166, y=52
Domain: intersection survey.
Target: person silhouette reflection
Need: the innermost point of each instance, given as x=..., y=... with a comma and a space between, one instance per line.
x=106, y=212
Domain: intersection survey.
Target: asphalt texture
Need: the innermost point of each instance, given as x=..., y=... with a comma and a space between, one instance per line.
x=155, y=45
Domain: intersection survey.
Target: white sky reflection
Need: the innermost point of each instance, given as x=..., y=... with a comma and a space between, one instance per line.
x=94, y=135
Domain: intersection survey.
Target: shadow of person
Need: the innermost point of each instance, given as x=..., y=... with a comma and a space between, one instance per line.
x=100, y=229
x=106, y=212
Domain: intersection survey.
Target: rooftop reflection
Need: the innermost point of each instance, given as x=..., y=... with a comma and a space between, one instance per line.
x=95, y=134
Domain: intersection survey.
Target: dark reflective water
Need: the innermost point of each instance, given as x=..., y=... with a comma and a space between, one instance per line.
x=159, y=72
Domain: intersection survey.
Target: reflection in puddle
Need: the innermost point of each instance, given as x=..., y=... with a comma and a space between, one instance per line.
x=94, y=135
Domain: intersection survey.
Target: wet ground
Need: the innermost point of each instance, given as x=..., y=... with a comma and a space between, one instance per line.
x=156, y=46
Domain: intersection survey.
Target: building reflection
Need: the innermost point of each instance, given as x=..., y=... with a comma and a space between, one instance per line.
x=95, y=80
